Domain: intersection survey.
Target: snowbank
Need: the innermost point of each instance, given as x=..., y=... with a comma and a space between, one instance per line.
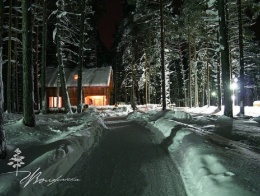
x=251, y=111
x=50, y=149
x=209, y=164
x=209, y=160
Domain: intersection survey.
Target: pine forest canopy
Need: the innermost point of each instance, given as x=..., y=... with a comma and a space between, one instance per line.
x=184, y=37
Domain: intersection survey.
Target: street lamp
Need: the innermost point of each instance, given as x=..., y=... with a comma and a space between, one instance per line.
x=233, y=87
x=214, y=96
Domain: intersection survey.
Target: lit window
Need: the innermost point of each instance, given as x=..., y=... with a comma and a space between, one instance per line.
x=96, y=100
x=54, y=102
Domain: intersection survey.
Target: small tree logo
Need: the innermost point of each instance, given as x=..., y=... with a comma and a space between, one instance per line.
x=16, y=160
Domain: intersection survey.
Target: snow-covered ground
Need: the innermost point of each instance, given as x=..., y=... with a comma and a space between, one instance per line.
x=50, y=149
x=215, y=155
x=212, y=160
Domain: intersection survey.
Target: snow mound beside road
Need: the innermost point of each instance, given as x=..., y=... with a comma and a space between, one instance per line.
x=206, y=166
x=50, y=149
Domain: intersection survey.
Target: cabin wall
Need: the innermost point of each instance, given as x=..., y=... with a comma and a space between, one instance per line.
x=96, y=95
x=101, y=96
x=73, y=95
x=87, y=92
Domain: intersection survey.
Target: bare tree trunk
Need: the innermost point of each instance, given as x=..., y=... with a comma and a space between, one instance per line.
x=203, y=87
x=219, y=79
x=2, y=133
x=13, y=74
x=15, y=70
x=183, y=77
x=133, y=94
x=228, y=111
x=227, y=16
x=13, y=58
x=196, y=101
x=241, y=59
x=96, y=53
x=208, y=73
x=149, y=68
x=190, y=67
x=162, y=57
x=219, y=86
x=146, y=78
x=44, y=41
x=196, y=92
x=9, y=98
x=81, y=56
x=28, y=97
x=64, y=90
x=126, y=101
x=36, y=83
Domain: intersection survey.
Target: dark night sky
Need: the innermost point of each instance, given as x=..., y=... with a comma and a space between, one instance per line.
x=107, y=23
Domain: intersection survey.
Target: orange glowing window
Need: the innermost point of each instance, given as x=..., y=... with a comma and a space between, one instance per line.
x=75, y=77
x=55, y=102
x=96, y=100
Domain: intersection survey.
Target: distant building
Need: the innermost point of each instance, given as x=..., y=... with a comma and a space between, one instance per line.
x=97, y=85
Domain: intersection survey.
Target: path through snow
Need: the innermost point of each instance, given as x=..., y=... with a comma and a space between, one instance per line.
x=126, y=162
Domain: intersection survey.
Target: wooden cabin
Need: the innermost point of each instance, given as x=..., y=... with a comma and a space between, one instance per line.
x=97, y=85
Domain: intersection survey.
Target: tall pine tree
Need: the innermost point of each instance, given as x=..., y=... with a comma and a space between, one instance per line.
x=224, y=48
x=44, y=42
x=2, y=136
x=28, y=94
x=241, y=59
x=81, y=57
x=65, y=95
x=162, y=57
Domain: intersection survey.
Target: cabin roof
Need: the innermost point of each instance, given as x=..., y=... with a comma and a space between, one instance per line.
x=90, y=77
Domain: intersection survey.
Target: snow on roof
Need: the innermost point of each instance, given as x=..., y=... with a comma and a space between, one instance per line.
x=90, y=77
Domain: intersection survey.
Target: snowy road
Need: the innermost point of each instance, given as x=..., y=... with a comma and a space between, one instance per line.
x=126, y=162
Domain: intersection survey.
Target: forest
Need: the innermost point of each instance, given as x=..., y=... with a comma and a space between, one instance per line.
x=184, y=53
x=203, y=47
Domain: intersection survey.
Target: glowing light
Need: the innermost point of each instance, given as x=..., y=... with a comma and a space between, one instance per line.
x=75, y=77
x=95, y=100
x=214, y=94
x=233, y=86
